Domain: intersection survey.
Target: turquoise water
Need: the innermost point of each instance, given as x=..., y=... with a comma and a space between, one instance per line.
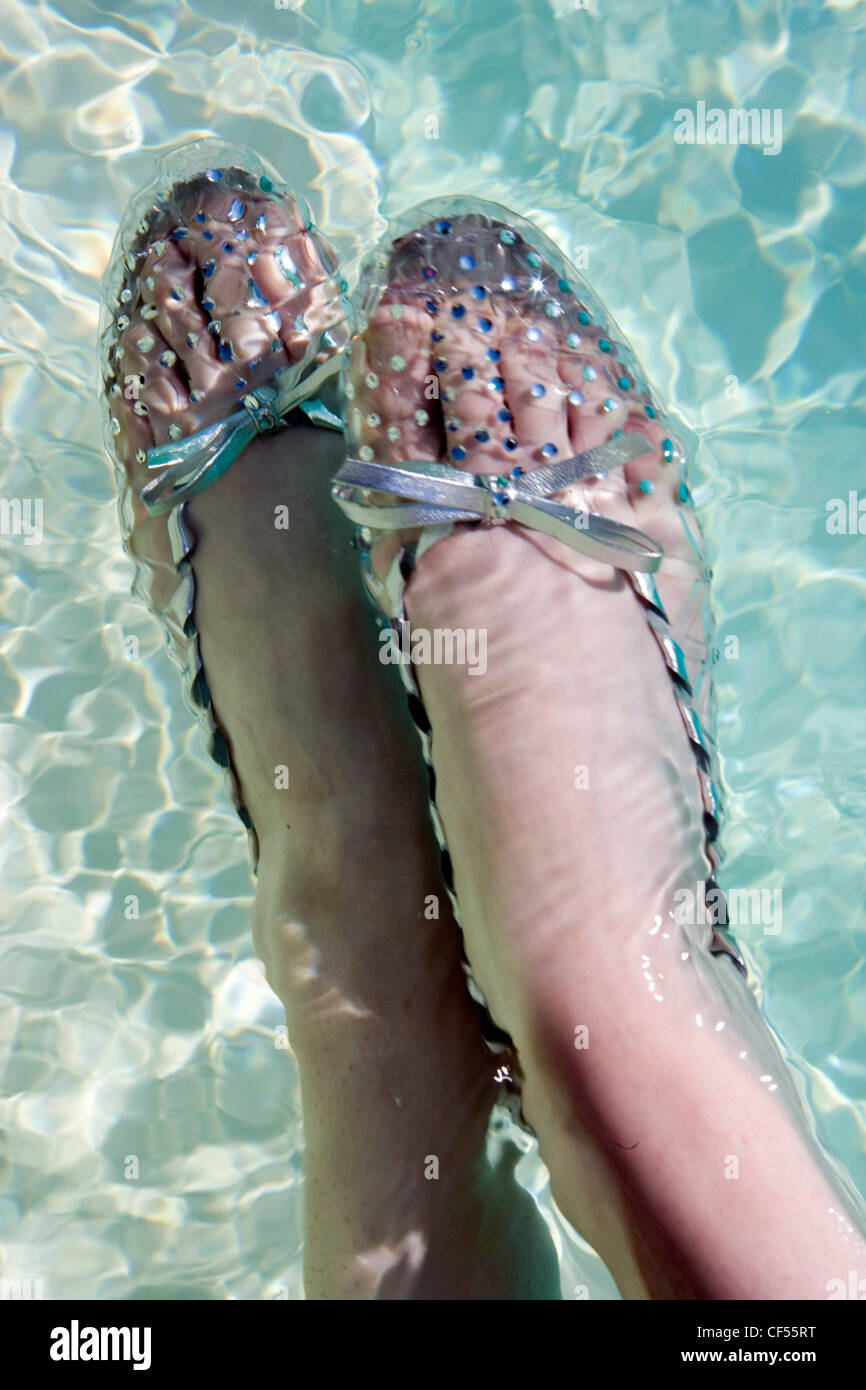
x=739, y=278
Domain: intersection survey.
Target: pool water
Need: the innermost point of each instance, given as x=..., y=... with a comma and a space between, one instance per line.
x=152, y=1144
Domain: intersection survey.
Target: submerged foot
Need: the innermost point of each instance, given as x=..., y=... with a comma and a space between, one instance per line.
x=566, y=775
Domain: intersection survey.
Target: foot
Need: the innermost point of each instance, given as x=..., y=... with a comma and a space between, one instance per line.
x=392, y=1065
x=568, y=789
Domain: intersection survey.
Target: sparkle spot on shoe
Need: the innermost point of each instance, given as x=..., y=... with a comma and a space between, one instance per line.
x=396, y=311
x=537, y=390
x=207, y=236
x=507, y=236
x=443, y=226
x=394, y=433
x=667, y=450
x=575, y=398
x=224, y=351
x=610, y=404
x=145, y=344
x=646, y=485
x=510, y=443
x=623, y=383
x=372, y=380
x=564, y=286
x=589, y=373
x=534, y=260
x=508, y=282
x=196, y=396
x=140, y=408
x=478, y=291
x=466, y=262
x=365, y=453
x=458, y=452
x=167, y=358
x=534, y=335
x=496, y=383
x=398, y=363
x=175, y=431
x=141, y=456
x=485, y=325
x=349, y=390
x=549, y=450
x=553, y=311
x=458, y=311
x=493, y=354
x=428, y=272
x=467, y=373
x=123, y=322
x=572, y=340
x=683, y=493
x=261, y=223
x=178, y=292
x=236, y=210
x=504, y=416
x=583, y=317
x=650, y=412
x=148, y=312
x=374, y=420
x=482, y=436
x=421, y=417
x=604, y=345
x=149, y=282
x=214, y=175
x=114, y=425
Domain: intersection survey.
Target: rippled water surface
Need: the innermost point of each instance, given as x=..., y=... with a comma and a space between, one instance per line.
x=739, y=278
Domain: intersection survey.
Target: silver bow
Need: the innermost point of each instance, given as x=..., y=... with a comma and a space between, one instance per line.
x=443, y=494
x=187, y=466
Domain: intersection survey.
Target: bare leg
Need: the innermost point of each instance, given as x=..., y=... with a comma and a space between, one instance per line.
x=659, y=1098
x=397, y=1085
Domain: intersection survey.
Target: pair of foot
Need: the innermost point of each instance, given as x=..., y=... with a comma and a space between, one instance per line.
x=567, y=786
